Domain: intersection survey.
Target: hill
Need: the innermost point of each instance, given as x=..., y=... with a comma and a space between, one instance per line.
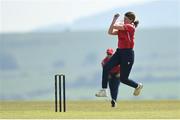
x=155, y=14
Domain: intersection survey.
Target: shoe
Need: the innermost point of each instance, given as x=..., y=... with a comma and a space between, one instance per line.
x=138, y=89
x=113, y=103
x=101, y=93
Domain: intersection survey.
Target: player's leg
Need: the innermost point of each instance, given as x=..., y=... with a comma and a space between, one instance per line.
x=114, y=88
x=127, y=61
x=106, y=68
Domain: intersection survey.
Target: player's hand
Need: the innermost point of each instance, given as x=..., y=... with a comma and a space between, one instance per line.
x=118, y=75
x=116, y=15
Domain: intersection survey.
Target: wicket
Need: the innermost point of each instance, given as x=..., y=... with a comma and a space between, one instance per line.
x=59, y=78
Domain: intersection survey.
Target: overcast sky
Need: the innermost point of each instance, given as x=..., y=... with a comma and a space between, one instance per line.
x=26, y=15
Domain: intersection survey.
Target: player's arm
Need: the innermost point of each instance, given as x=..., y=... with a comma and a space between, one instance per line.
x=111, y=30
x=118, y=27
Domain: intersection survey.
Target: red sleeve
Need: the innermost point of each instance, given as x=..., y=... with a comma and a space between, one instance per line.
x=103, y=62
x=129, y=27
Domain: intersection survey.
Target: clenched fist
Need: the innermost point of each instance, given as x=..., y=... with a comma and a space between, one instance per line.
x=116, y=15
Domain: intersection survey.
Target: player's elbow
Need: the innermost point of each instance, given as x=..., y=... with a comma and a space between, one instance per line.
x=113, y=33
x=110, y=32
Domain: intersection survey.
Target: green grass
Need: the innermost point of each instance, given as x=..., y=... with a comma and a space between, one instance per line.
x=92, y=109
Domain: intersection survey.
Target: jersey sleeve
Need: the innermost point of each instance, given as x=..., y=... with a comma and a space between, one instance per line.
x=129, y=27
x=103, y=62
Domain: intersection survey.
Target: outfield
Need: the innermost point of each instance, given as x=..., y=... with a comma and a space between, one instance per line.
x=92, y=109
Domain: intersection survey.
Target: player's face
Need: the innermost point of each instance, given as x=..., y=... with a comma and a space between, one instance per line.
x=108, y=55
x=127, y=20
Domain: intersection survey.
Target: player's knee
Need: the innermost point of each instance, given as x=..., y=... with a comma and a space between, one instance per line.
x=123, y=79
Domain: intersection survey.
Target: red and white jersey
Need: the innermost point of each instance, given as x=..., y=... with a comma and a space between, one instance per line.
x=126, y=37
x=115, y=69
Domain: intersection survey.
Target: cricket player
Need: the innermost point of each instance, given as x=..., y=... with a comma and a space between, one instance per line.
x=124, y=55
x=113, y=77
